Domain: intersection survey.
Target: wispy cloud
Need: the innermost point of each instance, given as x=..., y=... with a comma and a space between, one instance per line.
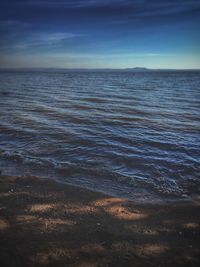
x=28, y=40
x=52, y=38
x=14, y=23
x=102, y=55
x=139, y=5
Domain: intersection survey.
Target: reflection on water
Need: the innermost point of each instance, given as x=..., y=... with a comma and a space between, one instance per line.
x=129, y=134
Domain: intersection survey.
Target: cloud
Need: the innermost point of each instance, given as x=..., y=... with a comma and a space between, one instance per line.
x=97, y=11
x=14, y=24
x=138, y=5
x=37, y=40
x=71, y=3
x=51, y=38
x=142, y=4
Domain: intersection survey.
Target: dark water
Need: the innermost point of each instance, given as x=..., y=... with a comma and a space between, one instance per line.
x=129, y=134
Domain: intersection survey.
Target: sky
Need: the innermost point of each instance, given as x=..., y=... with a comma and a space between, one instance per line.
x=100, y=34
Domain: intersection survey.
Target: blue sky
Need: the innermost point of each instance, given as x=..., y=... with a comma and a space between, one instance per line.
x=100, y=33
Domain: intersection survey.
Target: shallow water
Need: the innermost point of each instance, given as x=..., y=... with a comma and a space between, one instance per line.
x=135, y=135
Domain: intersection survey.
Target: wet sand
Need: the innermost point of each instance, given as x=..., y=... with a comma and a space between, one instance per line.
x=44, y=223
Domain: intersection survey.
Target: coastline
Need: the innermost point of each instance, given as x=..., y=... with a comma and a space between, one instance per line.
x=45, y=223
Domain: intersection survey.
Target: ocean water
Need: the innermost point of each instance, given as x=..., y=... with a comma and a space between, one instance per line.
x=135, y=135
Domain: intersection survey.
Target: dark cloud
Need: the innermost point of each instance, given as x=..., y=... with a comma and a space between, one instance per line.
x=97, y=12
x=94, y=13
x=140, y=7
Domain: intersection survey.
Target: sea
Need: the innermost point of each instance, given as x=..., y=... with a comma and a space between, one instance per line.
x=132, y=134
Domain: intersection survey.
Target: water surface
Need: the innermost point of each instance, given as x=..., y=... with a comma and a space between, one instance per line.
x=135, y=135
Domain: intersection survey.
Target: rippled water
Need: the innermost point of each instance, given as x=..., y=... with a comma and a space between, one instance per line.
x=129, y=134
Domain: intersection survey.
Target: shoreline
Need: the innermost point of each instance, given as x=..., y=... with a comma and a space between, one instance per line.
x=150, y=196
x=47, y=223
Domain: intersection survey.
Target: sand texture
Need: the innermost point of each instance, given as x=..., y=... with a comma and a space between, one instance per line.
x=44, y=223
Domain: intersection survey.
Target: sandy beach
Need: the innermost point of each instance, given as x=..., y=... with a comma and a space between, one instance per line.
x=45, y=223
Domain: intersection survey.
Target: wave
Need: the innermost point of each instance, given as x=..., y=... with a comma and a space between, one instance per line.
x=118, y=132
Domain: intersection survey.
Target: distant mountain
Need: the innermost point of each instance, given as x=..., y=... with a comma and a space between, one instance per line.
x=137, y=69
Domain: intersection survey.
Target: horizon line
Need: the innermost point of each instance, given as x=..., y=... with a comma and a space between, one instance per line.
x=102, y=68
